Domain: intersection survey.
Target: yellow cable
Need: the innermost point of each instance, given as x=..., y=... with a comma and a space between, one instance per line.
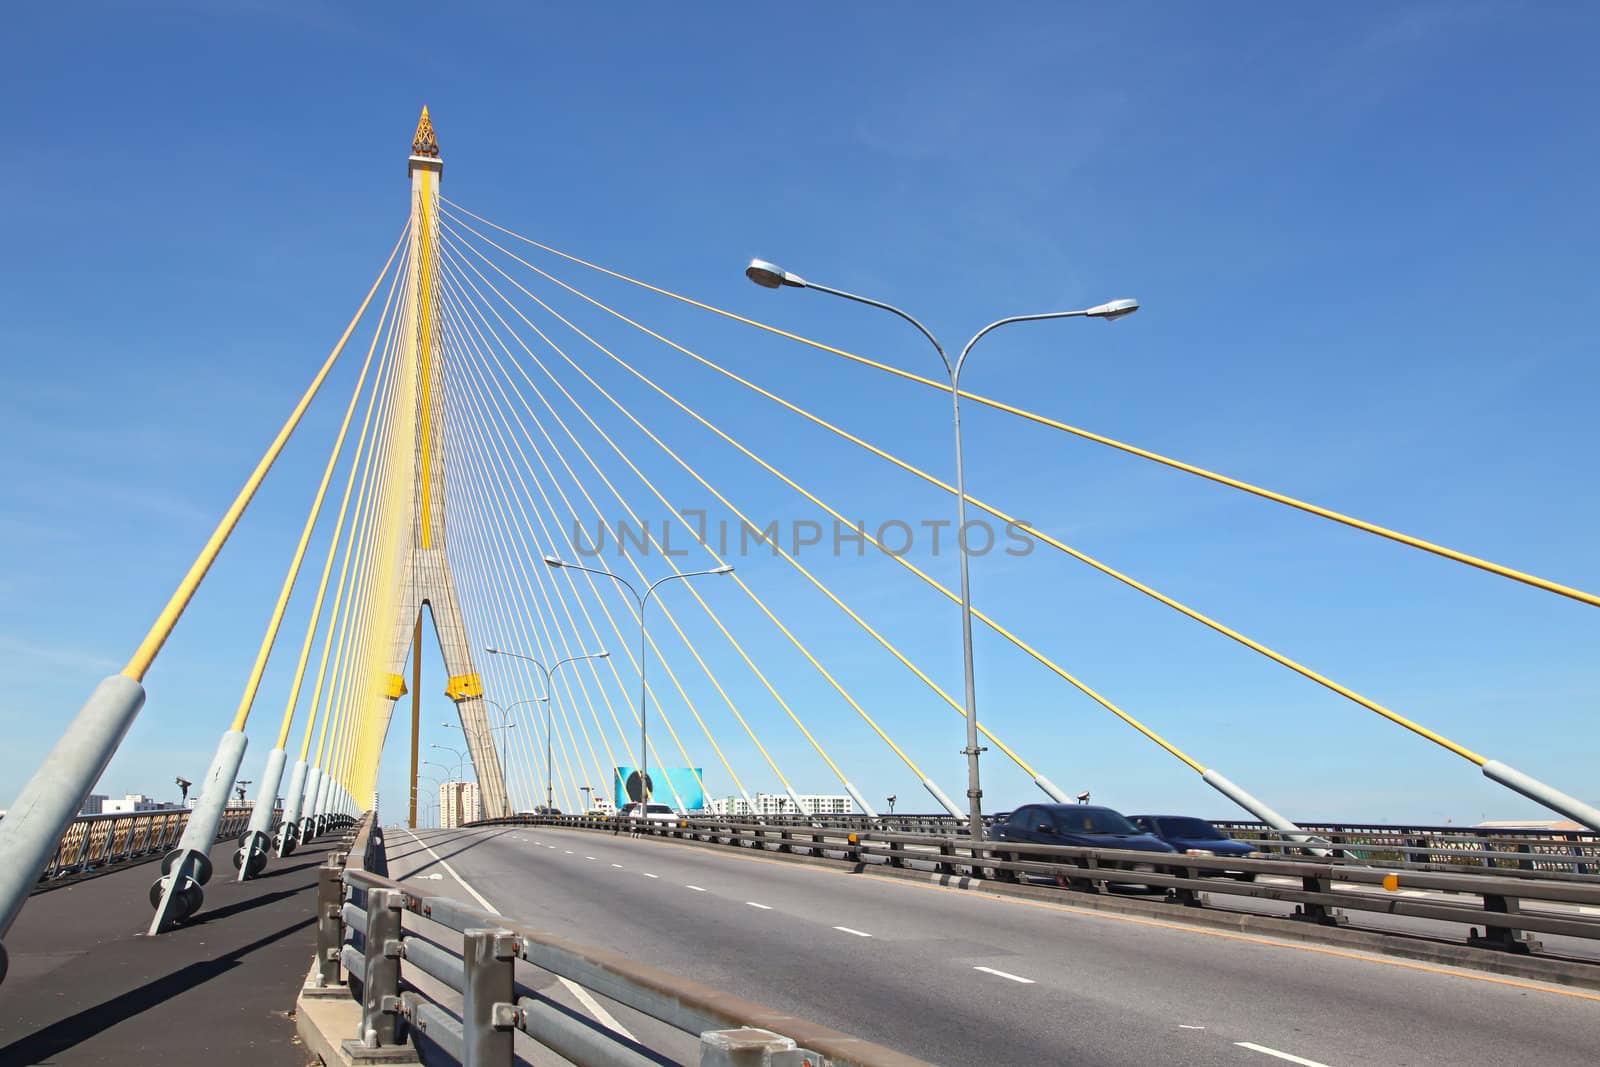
x=688, y=701
x=499, y=577
x=146, y=653
x=1044, y=420
x=546, y=643
x=346, y=589
x=1219, y=627
x=862, y=712
x=950, y=594
x=247, y=700
x=666, y=611
x=379, y=386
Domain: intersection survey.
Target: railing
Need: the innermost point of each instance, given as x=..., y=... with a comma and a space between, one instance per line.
x=94, y=844
x=1507, y=851
x=1502, y=851
x=368, y=926
x=1328, y=887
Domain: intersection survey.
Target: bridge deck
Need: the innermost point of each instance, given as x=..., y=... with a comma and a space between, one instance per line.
x=87, y=987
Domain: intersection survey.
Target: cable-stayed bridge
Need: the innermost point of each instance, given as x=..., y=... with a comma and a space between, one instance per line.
x=501, y=475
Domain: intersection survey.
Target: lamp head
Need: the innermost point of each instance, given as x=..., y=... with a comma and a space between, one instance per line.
x=602, y=655
x=1114, y=310
x=552, y=561
x=771, y=276
x=726, y=568
x=492, y=651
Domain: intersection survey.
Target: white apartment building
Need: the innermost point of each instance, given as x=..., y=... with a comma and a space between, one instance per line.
x=780, y=804
x=458, y=803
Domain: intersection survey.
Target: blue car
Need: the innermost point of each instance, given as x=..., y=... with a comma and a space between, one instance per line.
x=1075, y=824
x=1196, y=837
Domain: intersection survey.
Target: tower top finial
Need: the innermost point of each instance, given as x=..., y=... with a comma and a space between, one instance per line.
x=425, y=143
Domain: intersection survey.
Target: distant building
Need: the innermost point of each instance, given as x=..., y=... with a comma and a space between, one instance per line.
x=458, y=803
x=131, y=802
x=93, y=804
x=780, y=804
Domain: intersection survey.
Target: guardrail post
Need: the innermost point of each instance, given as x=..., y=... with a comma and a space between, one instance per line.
x=380, y=985
x=1321, y=914
x=751, y=1048
x=488, y=1006
x=1504, y=938
x=330, y=924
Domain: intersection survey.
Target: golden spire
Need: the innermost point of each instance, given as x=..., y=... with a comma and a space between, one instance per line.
x=425, y=143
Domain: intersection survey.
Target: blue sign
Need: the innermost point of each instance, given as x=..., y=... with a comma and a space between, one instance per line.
x=668, y=785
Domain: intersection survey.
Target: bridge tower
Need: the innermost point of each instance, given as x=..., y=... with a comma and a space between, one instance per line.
x=425, y=575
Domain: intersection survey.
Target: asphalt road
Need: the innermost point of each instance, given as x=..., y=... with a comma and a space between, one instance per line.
x=963, y=978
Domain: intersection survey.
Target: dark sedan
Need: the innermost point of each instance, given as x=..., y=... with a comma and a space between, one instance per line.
x=1083, y=825
x=1195, y=837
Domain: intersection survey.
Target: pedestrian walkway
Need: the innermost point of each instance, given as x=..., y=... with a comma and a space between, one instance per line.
x=87, y=987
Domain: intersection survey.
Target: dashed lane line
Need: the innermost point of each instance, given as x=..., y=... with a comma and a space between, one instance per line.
x=1253, y=1047
x=647, y=874
x=763, y=907
x=1005, y=974
x=696, y=888
x=847, y=930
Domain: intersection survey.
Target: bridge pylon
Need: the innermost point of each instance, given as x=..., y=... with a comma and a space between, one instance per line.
x=425, y=574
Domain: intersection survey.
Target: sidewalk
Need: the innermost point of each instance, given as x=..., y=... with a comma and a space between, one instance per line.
x=87, y=987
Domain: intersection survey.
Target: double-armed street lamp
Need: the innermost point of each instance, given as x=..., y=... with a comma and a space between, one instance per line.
x=770, y=276
x=549, y=714
x=726, y=568
x=461, y=758
x=505, y=724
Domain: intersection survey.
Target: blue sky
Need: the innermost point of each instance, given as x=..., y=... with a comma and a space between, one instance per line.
x=1363, y=246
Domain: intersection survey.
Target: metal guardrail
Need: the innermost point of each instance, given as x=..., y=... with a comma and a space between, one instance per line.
x=1559, y=852
x=1496, y=909
x=96, y=844
x=1449, y=848
x=363, y=933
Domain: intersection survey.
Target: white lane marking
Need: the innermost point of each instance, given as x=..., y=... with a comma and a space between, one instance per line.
x=1253, y=1047
x=763, y=907
x=605, y=1018
x=647, y=874
x=588, y=857
x=847, y=930
x=488, y=907
x=1186, y=1026
x=1003, y=974
x=696, y=888
x=618, y=866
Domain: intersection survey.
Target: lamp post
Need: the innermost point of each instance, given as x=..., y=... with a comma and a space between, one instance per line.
x=461, y=759
x=505, y=724
x=726, y=568
x=549, y=709
x=770, y=276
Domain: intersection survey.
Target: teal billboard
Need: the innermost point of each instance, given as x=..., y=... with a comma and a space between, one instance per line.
x=676, y=786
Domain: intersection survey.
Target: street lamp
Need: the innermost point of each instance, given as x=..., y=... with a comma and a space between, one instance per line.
x=770, y=276
x=549, y=709
x=505, y=724
x=726, y=568
x=461, y=757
